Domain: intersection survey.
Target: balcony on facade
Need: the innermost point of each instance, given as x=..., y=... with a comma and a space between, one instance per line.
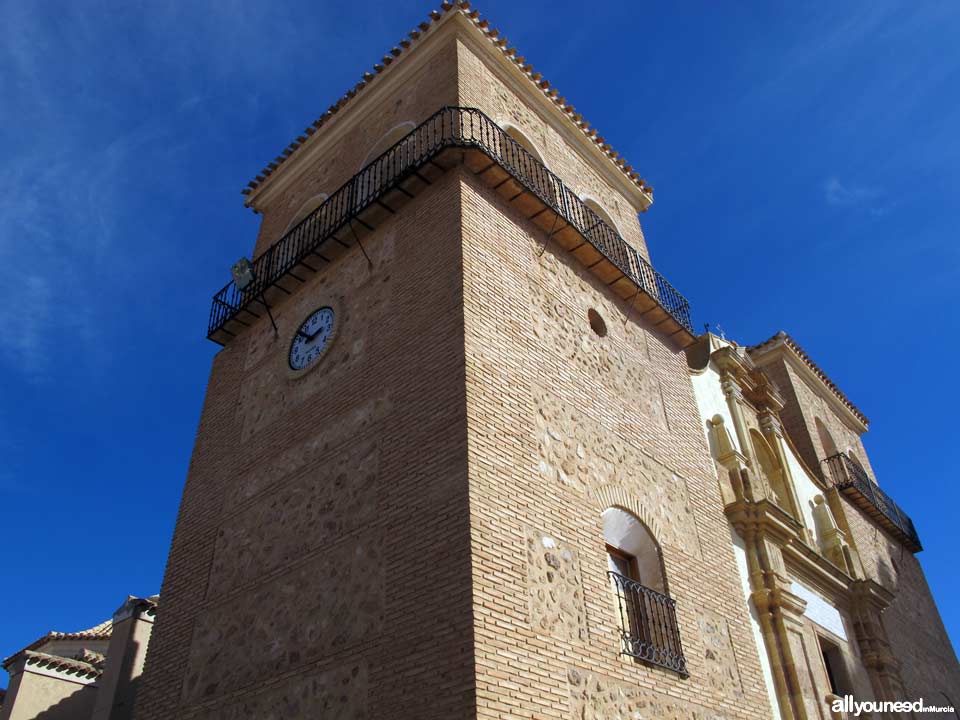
x=648, y=624
x=450, y=137
x=852, y=480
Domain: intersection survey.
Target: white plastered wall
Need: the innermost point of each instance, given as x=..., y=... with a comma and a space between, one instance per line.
x=740, y=553
x=711, y=402
x=806, y=489
x=820, y=611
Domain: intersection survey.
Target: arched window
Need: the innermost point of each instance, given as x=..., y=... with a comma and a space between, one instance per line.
x=384, y=166
x=601, y=213
x=826, y=439
x=530, y=164
x=632, y=550
x=389, y=138
x=525, y=142
x=646, y=613
x=308, y=207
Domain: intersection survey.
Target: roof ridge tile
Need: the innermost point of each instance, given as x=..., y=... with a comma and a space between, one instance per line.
x=805, y=357
x=492, y=35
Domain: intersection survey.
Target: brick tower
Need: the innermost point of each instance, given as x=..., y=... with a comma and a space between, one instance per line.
x=450, y=462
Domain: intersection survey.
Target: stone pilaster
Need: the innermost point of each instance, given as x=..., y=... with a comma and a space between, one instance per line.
x=868, y=601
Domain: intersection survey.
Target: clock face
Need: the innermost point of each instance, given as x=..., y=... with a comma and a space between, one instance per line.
x=311, y=338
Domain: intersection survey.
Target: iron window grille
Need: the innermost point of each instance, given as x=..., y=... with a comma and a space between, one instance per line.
x=648, y=625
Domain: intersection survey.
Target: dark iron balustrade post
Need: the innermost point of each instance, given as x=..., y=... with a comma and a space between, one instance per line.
x=844, y=473
x=268, y=266
x=352, y=202
x=564, y=201
x=446, y=128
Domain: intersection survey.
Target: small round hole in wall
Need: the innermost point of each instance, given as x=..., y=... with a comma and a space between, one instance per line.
x=596, y=323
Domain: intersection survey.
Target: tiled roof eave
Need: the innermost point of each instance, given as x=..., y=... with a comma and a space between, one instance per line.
x=99, y=632
x=802, y=355
x=493, y=35
x=69, y=665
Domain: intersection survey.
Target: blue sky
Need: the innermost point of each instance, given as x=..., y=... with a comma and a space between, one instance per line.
x=805, y=158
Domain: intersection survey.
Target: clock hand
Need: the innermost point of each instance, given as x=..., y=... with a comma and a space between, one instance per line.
x=309, y=338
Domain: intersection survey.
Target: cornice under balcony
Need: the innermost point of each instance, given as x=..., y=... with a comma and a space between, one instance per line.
x=852, y=480
x=450, y=137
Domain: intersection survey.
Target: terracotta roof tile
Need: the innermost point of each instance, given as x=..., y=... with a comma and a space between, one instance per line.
x=91, y=657
x=102, y=631
x=502, y=44
x=802, y=354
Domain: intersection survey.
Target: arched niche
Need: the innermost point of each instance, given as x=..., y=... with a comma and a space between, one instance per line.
x=826, y=439
x=531, y=165
x=601, y=213
x=856, y=461
x=388, y=139
x=525, y=142
x=308, y=207
x=771, y=469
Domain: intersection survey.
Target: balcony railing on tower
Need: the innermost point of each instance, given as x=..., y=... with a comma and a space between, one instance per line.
x=853, y=481
x=648, y=624
x=450, y=136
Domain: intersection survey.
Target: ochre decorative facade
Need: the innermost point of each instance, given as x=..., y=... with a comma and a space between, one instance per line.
x=513, y=483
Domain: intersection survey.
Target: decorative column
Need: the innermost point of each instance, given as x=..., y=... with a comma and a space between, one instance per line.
x=734, y=396
x=765, y=529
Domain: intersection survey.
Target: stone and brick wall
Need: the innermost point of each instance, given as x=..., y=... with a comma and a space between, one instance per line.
x=321, y=565
x=918, y=638
x=804, y=407
x=562, y=424
x=431, y=85
x=480, y=87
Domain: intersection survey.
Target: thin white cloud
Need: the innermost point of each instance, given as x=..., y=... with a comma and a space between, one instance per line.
x=25, y=325
x=49, y=238
x=872, y=200
x=837, y=193
x=68, y=187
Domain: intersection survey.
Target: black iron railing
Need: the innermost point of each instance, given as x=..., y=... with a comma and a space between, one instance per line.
x=448, y=127
x=648, y=624
x=843, y=472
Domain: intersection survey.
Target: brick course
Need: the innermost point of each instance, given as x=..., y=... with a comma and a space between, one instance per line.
x=512, y=375
x=384, y=589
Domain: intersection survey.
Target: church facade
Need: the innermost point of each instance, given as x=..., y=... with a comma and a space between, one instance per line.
x=92, y=674
x=463, y=455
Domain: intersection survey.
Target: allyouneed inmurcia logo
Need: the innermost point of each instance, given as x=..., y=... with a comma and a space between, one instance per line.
x=848, y=705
